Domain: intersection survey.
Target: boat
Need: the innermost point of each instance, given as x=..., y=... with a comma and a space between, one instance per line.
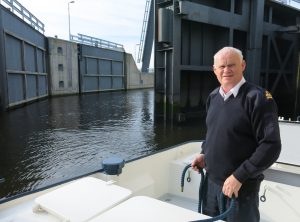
x=149, y=189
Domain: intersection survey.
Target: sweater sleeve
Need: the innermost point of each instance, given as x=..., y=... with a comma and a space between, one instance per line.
x=262, y=110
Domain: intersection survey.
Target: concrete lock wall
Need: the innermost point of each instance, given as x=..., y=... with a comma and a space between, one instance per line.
x=63, y=67
x=33, y=66
x=64, y=73
x=134, y=77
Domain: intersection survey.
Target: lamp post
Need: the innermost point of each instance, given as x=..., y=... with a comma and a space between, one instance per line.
x=135, y=52
x=69, y=18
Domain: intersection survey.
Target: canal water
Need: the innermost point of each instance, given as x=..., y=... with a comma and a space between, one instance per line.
x=60, y=138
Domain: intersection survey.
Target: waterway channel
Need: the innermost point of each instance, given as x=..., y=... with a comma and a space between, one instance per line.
x=60, y=138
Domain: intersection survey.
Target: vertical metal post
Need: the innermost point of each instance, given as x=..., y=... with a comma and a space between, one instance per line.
x=176, y=64
x=165, y=86
x=297, y=99
x=69, y=18
x=255, y=40
x=135, y=56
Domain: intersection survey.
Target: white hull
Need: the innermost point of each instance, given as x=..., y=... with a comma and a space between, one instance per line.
x=158, y=177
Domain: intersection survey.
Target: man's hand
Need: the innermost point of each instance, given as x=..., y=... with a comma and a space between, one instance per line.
x=231, y=186
x=198, y=162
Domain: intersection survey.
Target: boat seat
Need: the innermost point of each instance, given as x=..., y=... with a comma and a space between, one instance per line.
x=81, y=200
x=147, y=209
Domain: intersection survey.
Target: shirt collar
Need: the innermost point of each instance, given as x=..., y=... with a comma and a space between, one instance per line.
x=234, y=91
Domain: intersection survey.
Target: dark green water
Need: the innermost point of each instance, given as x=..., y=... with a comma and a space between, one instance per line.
x=57, y=139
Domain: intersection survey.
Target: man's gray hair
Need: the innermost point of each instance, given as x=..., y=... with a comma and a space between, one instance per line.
x=228, y=49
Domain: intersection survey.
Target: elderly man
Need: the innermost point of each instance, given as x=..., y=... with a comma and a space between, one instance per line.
x=242, y=138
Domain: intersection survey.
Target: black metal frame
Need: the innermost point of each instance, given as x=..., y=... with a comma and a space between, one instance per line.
x=266, y=31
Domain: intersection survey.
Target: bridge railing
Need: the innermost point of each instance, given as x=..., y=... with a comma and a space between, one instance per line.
x=89, y=40
x=24, y=14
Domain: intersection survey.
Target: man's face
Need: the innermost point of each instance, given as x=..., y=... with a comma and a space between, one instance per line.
x=229, y=69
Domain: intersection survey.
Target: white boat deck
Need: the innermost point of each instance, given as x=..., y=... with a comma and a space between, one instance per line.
x=148, y=190
x=81, y=200
x=77, y=201
x=146, y=209
x=91, y=199
x=180, y=201
x=130, y=197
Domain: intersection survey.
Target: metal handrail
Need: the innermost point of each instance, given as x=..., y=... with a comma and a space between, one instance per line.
x=25, y=14
x=101, y=43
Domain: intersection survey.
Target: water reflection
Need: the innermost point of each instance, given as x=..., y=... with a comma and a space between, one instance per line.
x=56, y=139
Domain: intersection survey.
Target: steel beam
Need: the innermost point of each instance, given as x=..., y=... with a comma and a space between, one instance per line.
x=264, y=30
x=200, y=13
x=255, y=35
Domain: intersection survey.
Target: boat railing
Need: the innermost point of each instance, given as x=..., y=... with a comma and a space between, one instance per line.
x=282, y=119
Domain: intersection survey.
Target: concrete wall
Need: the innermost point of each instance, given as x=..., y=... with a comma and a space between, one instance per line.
x=63, y=65
x=64, y=73
x=134, y=77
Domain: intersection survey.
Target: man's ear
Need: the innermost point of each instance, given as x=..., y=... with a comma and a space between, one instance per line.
x=244, y=64
x=214, y=69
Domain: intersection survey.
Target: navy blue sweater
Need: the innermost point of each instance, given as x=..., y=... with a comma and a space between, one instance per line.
x=242, y=134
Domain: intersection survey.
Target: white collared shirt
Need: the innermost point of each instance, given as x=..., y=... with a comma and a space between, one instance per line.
x=233, y=91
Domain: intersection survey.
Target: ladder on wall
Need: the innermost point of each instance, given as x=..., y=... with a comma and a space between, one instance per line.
x=144, y=28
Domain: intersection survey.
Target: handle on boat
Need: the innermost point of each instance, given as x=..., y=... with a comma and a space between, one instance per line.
x=222, y=215
x=201, y=186
x=201, y=189
x=184, y=172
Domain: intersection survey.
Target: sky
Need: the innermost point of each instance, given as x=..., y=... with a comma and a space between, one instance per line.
x=117, y=21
